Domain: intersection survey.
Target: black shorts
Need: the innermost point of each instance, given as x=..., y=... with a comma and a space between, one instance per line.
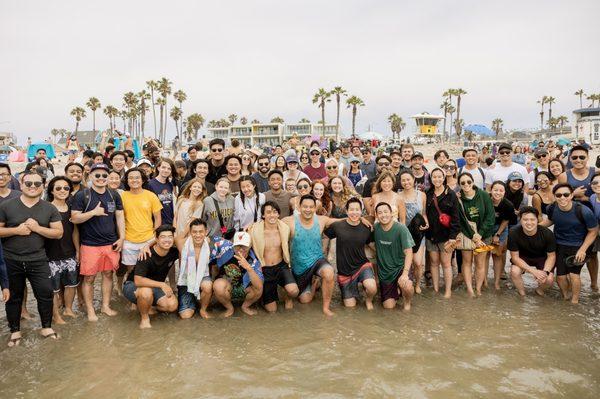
x=304, y=280
x=391, y=290
x=562, y=253
x=278, y=275
x=538, y=263
x=349, y=284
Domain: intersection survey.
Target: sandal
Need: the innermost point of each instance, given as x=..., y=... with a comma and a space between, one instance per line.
x=14, y=342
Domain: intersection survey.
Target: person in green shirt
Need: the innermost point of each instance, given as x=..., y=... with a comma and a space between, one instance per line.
x=393, y=244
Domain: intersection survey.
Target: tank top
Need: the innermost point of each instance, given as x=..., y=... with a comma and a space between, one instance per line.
x=413, y=207
x=543, y=205
x=306, y=246
x=574, y=182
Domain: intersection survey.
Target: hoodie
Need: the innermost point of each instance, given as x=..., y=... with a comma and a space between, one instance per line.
x=209, y=214
x=480, y=210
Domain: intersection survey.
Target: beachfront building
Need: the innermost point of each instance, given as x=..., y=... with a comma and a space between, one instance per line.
x=270, y=134
x=586, y=124
x=427, y=126
x=7, y=138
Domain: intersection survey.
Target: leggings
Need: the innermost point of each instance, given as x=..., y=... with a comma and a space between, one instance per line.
x=38, y=274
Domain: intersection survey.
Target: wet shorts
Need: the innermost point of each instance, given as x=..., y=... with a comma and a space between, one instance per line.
x=129, y=289
x=349, y=284
x=64, y=273
x=504, y=236
x=434, y=246
x=94, y=260
x=391, y=290
x=186, y=299
x=562, y=253
x=538, y=263
x=278, y=275
x=130, y=252
x=304, y=280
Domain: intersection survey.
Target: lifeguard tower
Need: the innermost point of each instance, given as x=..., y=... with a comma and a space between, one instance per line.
x=427, y=126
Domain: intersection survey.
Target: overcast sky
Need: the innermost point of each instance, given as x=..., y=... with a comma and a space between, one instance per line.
x=267, y=58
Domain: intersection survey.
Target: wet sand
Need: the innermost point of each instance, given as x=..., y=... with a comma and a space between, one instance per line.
x=494, y=346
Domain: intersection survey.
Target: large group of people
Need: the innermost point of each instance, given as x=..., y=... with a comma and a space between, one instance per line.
x=228, y=226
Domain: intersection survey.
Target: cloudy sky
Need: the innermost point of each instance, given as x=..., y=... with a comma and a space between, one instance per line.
x=267, y=58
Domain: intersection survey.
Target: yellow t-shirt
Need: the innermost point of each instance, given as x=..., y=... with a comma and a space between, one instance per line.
x=138, y=209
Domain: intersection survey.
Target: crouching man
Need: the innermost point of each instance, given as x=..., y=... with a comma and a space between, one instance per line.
x=146, y=286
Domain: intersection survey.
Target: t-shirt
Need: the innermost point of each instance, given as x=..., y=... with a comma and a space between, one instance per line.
x=315, y=173
x=282, y=199
x=390, y=246
x=215, y=172
x=30, y=247
x=98, y=230
x=350, y=246
x=139, y=226
x=155, y=267
x=478, y=175
x=501, y=173
x=62, y=248
x=164, y=192
x=531, y=247
x=12, y=194
x=261, y=182
x=504, y=211
x=568, y=230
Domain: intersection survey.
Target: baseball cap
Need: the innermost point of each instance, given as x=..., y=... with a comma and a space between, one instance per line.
x=314, y=149
x=354, y=159
x=504, y=146
x=241, y=238
x=291, y=158
x=540, y=151
x=417, y=155
x=144, y=161
x=99, y=166
x=515, y=176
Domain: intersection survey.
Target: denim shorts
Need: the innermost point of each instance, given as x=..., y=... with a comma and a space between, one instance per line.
x=64, y=273
x=504, y=235
x=186, y=299
x=129, y=289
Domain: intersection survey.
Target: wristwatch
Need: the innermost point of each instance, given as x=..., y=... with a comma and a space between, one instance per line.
x=547, y=272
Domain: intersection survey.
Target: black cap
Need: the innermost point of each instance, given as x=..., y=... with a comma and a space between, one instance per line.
x=417, y=155
x=504, y=146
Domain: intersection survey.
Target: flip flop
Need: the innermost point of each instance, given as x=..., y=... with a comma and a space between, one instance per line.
x=571, y=262
x=14, y=342
x=54, y=335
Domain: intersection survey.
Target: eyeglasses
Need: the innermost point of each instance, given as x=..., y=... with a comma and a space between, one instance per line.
x=303, y=186
x=560, y=195
x=595, y=182
x=292, y=163
x=29, y=184
x=384, y=164
x=503, y=152
x=216, y=150
x=541, y=156
x=101, y=175
x=65, y=188
x=354, y=162
x=580, y=157
x=4, y=175
x=466, y=183
x=331, y=167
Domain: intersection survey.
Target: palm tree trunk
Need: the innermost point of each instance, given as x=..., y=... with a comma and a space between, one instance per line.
x=161, y=123
x=153, y=111
x=323, y=118
x=353, y=121
x=76, y=127
x=581, y=101
x=337, y=121
x=457, y=128
x=94, y=121
x=445, y=117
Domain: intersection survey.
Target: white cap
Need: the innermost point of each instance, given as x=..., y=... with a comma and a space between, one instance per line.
x=241, y=238
x=144, y=161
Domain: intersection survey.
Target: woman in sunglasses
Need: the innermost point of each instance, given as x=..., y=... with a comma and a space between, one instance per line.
x=304, y=160
x=292, y=169
x=303, y=187
x=451, y=172
x=543, y=196
x=63, y=254
x=247, y=167
x=477, y=224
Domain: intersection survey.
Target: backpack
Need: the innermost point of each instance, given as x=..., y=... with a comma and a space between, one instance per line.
x=578, y=212
x=87, y=196
x=460, y=170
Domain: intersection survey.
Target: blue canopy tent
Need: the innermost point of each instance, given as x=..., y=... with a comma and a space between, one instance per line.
x=480, y=130
x=563, y=141
x=136, y=147
x=34, y=147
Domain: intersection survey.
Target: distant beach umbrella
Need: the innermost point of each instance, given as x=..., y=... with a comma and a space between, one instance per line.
x=480, y=130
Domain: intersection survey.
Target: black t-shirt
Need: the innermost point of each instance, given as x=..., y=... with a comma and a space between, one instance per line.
x=504, y=211
x=350, y=245
x=30, y=247
x=370, y=183
x=98, y=230
x=64, y=247
x=11, y=195
x=215, y=172
x=155, y=267
x=531, y=247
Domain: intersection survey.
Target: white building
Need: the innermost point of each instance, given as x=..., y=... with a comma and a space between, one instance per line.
x=586, y=124
x=270, y=133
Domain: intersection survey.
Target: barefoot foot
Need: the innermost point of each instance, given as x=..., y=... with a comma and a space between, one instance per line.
x=69, y=313
x=204, y=314
x=327, y=312
x=109, y=312
x=228, y=312
x=145, y=323
x=369, y=304
x=248, y=310
x=289, y=304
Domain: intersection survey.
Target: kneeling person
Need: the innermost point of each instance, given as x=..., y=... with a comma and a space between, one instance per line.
x=239, y=278
x=353, y=266
x=146, y=286
x=532, y=250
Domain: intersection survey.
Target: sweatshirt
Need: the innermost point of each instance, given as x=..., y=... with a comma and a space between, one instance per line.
x=448, y=204
x=480, y=210
x=209, y=214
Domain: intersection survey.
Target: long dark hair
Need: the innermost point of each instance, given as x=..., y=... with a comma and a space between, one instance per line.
x=241, y=194
x=52, y=183
x=515, y=197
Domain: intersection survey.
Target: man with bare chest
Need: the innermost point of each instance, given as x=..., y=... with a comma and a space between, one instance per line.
x=270, y=238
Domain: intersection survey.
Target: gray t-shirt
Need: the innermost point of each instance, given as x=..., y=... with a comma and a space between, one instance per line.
x=12, y=194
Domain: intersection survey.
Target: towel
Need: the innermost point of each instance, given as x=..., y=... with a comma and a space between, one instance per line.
x=223, y=252
x=190, y=273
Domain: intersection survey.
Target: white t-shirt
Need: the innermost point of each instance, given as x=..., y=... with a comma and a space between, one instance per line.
x=478, y=177
x=501, y=173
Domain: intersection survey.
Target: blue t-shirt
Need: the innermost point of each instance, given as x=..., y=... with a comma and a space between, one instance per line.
x=98, y=230
x=568, y=230
x=164, y=192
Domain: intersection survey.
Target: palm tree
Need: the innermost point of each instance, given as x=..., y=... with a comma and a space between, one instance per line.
x=303, y=120
x=162, y=102
x=458, y=126
x=320, y=98
x=353, y=102
x=180, y=97
x=93, y=104
x=255, y=122
x=451, y=111
x=448, y=96
x=445, y=105
x=176, y=116
x=143, y=96
x=552, y=123
x=194, y=122
x=580, y=93
x=593, y=98
x=112, y=113
x=550, y=100
x=152, y=85
x=243, y=120
x=164, y=88
x=542, y=102
x=129, y=102
x=232, y=118
x=277, y=119
x=224, y=122
x=497, y=125
x=338, y=92
x=211, y=124
x=562, y=120
x=397, y=124
x=79, y=114
x=123, y=115
x=54, y=133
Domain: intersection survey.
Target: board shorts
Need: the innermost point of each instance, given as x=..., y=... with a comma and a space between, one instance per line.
x=562, y=253
x=349, y=284
x=130, y=252
x=186, y=300
x=64, y=273
x=278, y=275
x=129, y=289
x=304, y=280
x=391, y=290
x=93, y=260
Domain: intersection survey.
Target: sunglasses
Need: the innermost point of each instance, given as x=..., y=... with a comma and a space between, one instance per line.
x=541, y=156
x=384, y=164
x=332, y=167
x=65, y=188
x=303, y=186
x=263, y=164
x=580, y=157
x=504, y=152
x=245, y=159
x=560, y=195
x=216, y=150
x=449, y=167
x=595, y=182
x=304, y=159
x=101, y=175
x=29, y=184
x=314, y=153
x=466, y=183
